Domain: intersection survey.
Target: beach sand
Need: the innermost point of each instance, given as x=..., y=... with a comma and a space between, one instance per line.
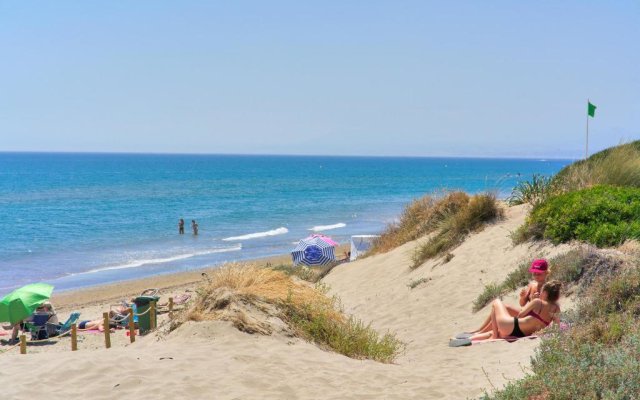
x=214, y=360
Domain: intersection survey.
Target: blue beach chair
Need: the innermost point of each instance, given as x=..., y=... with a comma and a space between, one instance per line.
x=38, y=326
x=59, y=329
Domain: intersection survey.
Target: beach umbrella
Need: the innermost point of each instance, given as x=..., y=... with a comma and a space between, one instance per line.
x=22, y=302
x=314, y=250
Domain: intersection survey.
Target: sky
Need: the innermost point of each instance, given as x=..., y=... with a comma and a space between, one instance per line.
x=401, y=78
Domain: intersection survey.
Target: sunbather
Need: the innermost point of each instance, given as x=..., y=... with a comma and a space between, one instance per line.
x=96, y=324
x=536, y=315
x=88, y=325
x=539, y=272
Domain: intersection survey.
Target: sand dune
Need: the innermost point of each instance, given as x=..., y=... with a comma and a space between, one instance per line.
x=214, y=360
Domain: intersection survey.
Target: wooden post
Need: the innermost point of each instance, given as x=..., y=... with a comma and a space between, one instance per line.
x=132, y=326
x=170, y=307
x=153, y=315
x=74, y=337
x=23, y=344
x=107, y=330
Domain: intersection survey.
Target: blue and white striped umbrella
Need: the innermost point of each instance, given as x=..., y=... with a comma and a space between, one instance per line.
x=313, y=251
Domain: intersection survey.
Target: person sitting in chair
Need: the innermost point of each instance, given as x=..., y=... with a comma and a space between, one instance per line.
x=45, y=308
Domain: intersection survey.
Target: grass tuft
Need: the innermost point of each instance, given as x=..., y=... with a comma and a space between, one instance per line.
x=418, y=219
x=350, y=337
x=455, y=225
x=533, y=192
x=309, y=274
x=615, y=166
x=517, y=278
x=491, y=292
x=236, y=293
x=417, y=282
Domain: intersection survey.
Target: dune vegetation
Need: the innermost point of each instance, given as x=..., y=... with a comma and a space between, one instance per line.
x=455, y=227
x=576, y=269
x=602, y=215
x=447, y=221
x=615, y=166
x=421, y=217
x=594, y=202
x=598, y=357
x=253, y=297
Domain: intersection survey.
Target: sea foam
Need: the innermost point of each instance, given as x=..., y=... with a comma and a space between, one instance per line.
x=320, y=228
x=139, y=263
x=280, y=231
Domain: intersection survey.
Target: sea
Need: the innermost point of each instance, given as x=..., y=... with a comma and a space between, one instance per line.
x=76, y=220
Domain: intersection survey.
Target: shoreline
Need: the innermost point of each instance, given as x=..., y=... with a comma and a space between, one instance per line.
x=170, y=282
x=90, y=237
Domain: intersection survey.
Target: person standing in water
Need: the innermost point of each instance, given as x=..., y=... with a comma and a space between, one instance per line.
x=181, y=226
x=194, y=226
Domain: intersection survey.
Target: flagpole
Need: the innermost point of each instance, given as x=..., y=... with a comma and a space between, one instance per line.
x=586, y=150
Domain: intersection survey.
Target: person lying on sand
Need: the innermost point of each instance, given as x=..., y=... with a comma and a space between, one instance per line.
x=539, y=272
x=536, y=315
x=87, y=325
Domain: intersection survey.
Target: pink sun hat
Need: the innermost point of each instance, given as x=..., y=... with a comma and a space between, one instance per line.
x=539, y=265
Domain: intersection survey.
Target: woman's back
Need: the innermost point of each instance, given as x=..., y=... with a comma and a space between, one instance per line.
x=541, y=314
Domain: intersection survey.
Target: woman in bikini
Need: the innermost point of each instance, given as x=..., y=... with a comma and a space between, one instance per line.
x=536, y=315
x=539, y=271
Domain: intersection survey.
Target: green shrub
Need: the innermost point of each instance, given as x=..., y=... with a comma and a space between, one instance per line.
x=533, y=192
x=603, y=216
x=456, y=224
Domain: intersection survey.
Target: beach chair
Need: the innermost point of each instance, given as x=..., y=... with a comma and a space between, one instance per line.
x=59, y=329
x=119, y=318
x=38, y=326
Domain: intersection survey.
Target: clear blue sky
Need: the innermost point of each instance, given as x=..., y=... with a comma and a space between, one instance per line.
x=329, y=77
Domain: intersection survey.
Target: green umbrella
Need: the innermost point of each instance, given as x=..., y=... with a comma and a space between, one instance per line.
x=22, y=302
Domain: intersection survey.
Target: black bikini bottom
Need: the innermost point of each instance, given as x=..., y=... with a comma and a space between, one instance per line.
x=516, y=329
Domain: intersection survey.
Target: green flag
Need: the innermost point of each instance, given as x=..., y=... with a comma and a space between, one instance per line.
x=591, y=109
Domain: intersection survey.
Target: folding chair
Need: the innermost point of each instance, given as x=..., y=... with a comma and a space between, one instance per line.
x=59, y=329
x=38, y=326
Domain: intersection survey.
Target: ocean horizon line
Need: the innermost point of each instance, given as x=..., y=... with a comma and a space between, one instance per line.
x=433, y=157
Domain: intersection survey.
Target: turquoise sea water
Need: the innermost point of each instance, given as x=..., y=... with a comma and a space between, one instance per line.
x=76, y=220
